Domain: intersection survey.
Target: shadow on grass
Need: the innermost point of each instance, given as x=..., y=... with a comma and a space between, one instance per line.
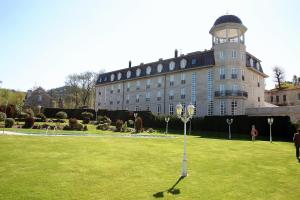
x=172, y=190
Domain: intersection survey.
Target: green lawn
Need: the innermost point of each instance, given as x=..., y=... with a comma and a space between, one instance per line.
x=140, y=168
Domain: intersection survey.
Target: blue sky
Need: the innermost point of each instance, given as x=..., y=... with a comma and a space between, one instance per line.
x=41, y=42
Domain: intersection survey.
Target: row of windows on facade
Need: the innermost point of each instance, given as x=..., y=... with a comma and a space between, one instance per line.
x=223, y=108
x=222, y=55
x=284, y=98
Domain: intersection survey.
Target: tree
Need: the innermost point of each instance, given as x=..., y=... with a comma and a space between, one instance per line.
x=295, y=80
x=87, y=82
x=278, y=76
x=73, y=88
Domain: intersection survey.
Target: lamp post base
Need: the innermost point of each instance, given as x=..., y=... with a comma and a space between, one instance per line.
x=184, y=168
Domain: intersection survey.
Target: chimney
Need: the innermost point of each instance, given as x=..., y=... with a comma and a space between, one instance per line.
x=129, y=63
x=176, y=53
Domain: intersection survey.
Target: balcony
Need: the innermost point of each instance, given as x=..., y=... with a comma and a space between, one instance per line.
x=231, y=93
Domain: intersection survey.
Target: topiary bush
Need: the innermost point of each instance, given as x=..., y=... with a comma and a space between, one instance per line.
x=9, y=122
x=29, y=112
x=29, y=122
x=2, y=116
x=124, y=127
x=138, y=125
x=103, y=127
x=61, y=115
x=42, y=117
x=119, y=124
x=86, y=120
x=87, y=115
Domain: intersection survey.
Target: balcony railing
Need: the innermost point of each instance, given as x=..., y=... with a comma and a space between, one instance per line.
x=235, y=93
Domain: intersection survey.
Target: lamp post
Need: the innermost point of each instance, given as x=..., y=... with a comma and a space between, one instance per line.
x=135, y=116
x=167, y=119
x=187, y=115
x=229, y=122
x=270, y=122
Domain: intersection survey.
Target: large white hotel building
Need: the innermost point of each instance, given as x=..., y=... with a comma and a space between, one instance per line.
x=222, y=81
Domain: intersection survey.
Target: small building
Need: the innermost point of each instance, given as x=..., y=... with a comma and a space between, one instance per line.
x=38, y=97
x=289, y=96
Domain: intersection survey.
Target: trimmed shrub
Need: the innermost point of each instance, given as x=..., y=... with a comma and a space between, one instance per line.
x=131, y=122
x=87, y=115
x=86, y=120
x=119, y=124
x=73, y=123
x=61, y=115
x=139, y=125
x=124, y=127
x=42, y=117
x=2, y=116
x=23, y=115
x=72, y=113
x=103, y=127
x=9, y=122
x=29, y=112
x=29, y=122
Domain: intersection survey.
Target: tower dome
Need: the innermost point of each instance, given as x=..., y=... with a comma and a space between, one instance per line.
x=228, y=19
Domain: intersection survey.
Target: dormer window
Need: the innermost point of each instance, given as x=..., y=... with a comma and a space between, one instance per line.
x=138, y=72
x=112, y=77
x=159, y=68
x=194, y=61
x=148, y=70
x=128, y=74
x=119, y=75
x=171, y=65
x=251, y=62
x=183, y=63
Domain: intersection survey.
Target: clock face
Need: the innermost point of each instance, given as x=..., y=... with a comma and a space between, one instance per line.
x=128, y=74
x=159, y=68
x=183, y=63
x=172, y=65
x=112, y=77
x=138, y=72
x=119, y=75
x=148, y=70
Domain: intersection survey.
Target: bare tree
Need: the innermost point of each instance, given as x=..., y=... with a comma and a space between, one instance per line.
x=73, y=88
x=87, y=85
x=278, y=76
x=295, y=80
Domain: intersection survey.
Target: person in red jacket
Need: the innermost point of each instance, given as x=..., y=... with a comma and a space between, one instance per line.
x=296, y=140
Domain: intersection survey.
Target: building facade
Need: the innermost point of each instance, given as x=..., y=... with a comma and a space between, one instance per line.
x=38, y=97
x=283, y=97
x=222, y=81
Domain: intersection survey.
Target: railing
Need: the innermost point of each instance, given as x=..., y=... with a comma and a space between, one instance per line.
x=235, y=93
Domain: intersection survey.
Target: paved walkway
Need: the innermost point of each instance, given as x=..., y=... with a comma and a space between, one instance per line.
x=87, y=135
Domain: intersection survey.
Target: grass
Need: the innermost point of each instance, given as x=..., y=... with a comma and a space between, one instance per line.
x=140, y=168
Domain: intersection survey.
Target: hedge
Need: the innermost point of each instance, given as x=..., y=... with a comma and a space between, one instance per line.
x=72, y=113
x=282, y=127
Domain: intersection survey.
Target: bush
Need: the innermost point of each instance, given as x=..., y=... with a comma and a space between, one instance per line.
x=150, y=130
x=86, y=120
x=103, y=127
x=124, y=127
x=138, y=125
x=29, y=112
x=104, y=119
x=2, y=116
x=73, y=123
x=23, y=115
x=87, y=115
x=61, y=115
x=9, y=122
x=42, y=117
x=29, y=122
x=131, y=122
x=119, y=124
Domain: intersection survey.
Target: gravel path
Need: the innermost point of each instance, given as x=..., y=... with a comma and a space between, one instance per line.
x=88, y=135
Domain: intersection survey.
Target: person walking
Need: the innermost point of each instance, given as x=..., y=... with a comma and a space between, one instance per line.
x=296, y=140
x=253, y=133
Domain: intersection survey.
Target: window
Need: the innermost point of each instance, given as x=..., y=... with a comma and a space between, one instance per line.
x=222, y=73
x=272, y=98
x=158, y=96
x=234, y=89
x=222, y=90
x=284, y=98
x=138, y=72
x=243, y=74
x=171, y=109
x=127, y=99
x=158, y=109
x=171, y=65
x=128, y=86
x=258, y=99
x=182, y=93
x=138, y=85
x=148, y=96
x=210, y=108
x=234, y=107
x=194, y=61
x=221, y=54
x=234, y=72
x=159, y=82
x=258, y=81
x=148, y=70
x=148, y=108
x=193, y=97
x=112, y=89
x=148, y=83
x=99, y=93
x=171, y=94
x=119, y=88
x=171, y=80
x=223, y=108
x=182, y=75
x=137, y=98
x=111, y=102
x=234, y=54
x=251, y=62
x=137, y=108
x=277, y=99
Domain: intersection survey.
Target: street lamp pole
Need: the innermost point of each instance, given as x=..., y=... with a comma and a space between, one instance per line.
x=167, y=119
x=270, y=122
x=229, y=122
x=187, y=115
